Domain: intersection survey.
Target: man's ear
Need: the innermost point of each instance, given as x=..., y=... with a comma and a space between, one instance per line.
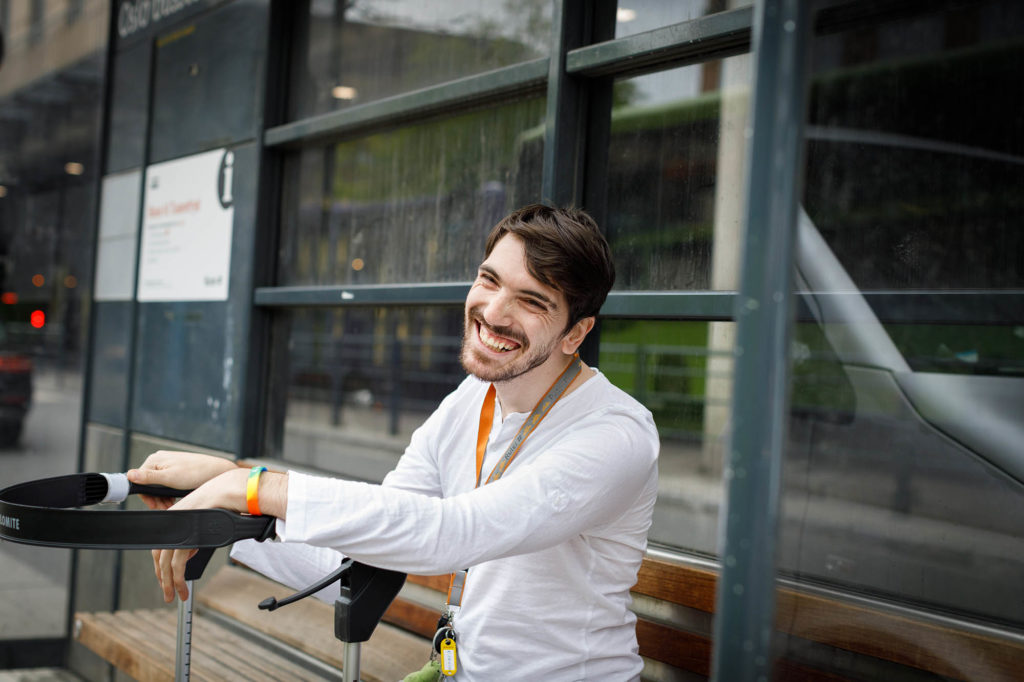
x=574, y=337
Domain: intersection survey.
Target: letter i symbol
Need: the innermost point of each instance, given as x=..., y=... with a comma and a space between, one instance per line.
x=228, y=165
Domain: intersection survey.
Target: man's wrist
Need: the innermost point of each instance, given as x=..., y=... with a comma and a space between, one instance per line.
x=273, y=494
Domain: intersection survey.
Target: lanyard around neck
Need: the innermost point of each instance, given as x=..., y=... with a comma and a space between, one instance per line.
x=540, y=410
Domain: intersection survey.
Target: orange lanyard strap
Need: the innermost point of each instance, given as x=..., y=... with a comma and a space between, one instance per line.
x=540, y=410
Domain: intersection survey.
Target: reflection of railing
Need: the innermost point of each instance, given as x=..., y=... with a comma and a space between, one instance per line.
x=367, y=370
x=670, y=380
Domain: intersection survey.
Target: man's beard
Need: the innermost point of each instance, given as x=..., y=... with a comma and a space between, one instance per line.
x=527, y=361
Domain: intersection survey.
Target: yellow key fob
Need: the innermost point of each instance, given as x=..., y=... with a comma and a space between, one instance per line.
x=449, y=659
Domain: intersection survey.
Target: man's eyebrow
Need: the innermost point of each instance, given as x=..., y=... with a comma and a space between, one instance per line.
x=484, y=267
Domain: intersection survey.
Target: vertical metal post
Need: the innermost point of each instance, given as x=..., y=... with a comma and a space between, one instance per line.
x=745, y=603
x=575, y=23
x=350, y=662
x=183, y=645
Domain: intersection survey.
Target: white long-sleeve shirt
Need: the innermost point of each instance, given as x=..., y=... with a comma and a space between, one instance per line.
x=553, y=546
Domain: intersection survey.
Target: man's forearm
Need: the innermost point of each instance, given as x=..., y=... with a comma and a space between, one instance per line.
x=228, y=491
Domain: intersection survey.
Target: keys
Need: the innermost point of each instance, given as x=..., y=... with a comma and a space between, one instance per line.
x=449, y=659
x=444, y=645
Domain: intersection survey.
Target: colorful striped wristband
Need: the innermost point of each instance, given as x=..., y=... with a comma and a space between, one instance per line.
x=252, y=490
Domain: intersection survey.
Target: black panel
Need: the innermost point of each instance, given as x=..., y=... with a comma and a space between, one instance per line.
x=190, y=355
x=208, y=81
x=129, y=101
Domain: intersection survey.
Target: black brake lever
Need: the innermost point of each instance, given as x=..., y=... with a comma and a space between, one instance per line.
x=272, y=603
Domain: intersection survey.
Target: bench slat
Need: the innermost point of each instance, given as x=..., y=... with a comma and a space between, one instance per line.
x=103, y=633
x=142, y=644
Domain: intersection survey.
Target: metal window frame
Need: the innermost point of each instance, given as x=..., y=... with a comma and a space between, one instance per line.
x=484, y=89
x=564, y=76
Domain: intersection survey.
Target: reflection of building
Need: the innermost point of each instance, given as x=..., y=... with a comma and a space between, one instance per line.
x=373, y=143
x=50, y=103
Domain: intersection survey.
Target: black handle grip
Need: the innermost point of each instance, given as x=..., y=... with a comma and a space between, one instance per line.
x=156, y=490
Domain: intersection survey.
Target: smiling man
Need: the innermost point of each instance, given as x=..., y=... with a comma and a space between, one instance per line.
x=533, y=483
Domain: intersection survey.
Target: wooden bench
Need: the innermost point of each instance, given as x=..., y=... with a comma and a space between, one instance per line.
x=233, y=640
x=674, y=600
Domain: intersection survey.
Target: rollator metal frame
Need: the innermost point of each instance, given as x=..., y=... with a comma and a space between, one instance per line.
x=45, y=513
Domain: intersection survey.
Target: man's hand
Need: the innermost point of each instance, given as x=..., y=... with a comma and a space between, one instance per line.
x=225, y=491
x=180, y=470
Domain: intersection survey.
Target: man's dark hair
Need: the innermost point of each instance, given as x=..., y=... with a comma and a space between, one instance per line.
x=566, y=251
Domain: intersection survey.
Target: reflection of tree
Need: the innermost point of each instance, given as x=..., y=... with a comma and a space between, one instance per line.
x=434, y=189
x=534, y=18
x=624, y=93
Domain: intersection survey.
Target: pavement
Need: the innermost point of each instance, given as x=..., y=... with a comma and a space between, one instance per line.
x=39, y=675
x=34, y=580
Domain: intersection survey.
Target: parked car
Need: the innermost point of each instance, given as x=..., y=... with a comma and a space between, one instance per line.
x=15, y=391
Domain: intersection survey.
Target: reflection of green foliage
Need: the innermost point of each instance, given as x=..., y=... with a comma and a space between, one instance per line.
x=433, y=158
x=623, y=93
x=668, y=115
x=961, y=349
x=819, y=383
x=664, y=366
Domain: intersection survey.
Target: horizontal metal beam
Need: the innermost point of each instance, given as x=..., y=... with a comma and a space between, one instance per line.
x=363, y=294
x=688, y=305
x=716, y=35
x=485, y=88
x=701, y=305
x=998, y=307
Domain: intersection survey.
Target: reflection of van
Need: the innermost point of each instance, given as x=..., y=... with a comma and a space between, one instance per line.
x=901, y=481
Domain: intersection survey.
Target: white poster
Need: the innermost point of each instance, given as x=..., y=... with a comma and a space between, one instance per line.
x=186, y=229
x=119, y=223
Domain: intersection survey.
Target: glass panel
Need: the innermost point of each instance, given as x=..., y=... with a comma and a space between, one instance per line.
x=359, y=382
x=921, y=201
x=411, y=205
x=357, y=52
x=682, y=372
x=675, y=176
x=904, y=474
x=51, y=92
x=637, y=16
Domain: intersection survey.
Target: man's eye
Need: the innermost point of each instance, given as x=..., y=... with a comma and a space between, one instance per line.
x=536, y=305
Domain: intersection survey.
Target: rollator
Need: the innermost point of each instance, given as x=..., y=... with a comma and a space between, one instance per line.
x=46, y=512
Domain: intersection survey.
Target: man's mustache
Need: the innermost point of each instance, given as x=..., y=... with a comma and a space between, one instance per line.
x=507, y=332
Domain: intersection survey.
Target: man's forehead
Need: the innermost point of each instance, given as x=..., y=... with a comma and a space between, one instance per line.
x=507, y=262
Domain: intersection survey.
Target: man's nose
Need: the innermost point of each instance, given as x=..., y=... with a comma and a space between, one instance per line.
x=497, y=309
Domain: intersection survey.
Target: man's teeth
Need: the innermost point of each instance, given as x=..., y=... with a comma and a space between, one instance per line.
x=495, y=342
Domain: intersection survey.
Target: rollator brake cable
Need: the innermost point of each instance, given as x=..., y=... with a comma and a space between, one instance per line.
x=46, y=512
